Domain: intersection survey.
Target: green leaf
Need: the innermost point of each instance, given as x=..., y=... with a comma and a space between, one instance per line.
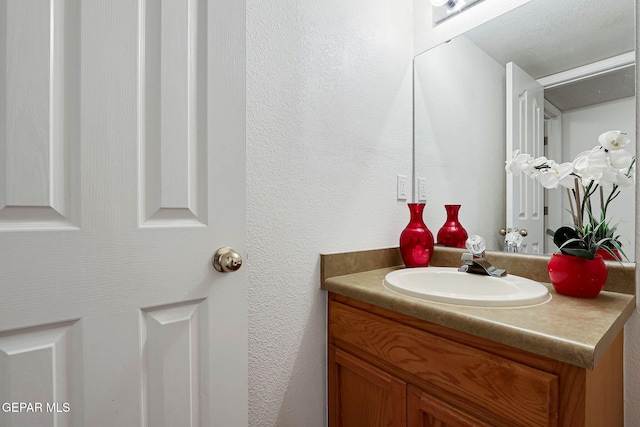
x=582, y=253
x=563, y=235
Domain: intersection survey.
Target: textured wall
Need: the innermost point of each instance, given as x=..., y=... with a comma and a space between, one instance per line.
x=328, y=129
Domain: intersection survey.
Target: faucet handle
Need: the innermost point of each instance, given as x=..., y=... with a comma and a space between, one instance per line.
x=476, y=245
x=513, y=240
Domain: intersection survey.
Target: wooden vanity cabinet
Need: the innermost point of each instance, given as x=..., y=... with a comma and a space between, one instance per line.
x=389, y=369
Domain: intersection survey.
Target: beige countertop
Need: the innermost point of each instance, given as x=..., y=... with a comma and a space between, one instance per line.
x=573, y=330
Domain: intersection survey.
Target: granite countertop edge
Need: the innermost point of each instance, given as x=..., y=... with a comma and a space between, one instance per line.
x=577, y=331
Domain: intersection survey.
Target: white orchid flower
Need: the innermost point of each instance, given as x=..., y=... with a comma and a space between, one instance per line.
x=534, y=167
x=598, y=159
x=622, y=180
x=519, y=163
x=568, y=181
x=608, y=177
x=620, y=159
x=613, y=140
x=539, y=161
x=556, y=173
x=594, y=166
x=607, y=165
x=581, y=161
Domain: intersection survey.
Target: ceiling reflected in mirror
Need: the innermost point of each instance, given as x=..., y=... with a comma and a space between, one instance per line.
x=546, y=37
x=597, y=89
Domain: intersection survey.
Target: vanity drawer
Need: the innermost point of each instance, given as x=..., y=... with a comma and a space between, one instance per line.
x=493, y=387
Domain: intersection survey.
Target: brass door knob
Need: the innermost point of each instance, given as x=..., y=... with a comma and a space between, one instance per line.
x=226, y=260
x=523, y=232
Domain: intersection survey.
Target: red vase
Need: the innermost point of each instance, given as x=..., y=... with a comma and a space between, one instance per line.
x=577, y=277
x=607, y=256
x=416, y=241
x=452, y=233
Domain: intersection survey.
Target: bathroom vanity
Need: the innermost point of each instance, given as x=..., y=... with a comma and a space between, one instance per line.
x=399, y=361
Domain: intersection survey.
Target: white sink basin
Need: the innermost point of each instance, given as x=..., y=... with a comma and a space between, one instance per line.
x=448, y=285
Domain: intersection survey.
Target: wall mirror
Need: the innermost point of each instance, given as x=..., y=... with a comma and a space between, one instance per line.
x=581, y=53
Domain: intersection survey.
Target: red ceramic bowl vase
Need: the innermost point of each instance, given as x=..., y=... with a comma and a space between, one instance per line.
x=577, y=277
x=607, y=256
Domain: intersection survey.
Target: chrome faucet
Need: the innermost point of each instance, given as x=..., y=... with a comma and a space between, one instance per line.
x=475, y=262
x=513, y=238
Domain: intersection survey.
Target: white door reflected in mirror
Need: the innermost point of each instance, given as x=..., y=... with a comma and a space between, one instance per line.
x=525, y=115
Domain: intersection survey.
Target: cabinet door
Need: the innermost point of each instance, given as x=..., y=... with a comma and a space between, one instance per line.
x=362, y=395
x=425, y=410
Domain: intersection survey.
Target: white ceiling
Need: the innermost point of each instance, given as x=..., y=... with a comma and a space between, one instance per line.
x=594, y=90
x=545, y=37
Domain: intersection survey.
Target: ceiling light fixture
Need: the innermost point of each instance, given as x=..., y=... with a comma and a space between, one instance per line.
x=440, y=3
x=443, y=9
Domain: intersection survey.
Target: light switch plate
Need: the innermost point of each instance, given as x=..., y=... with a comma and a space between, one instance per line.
x=422, y=189
x=402, y=187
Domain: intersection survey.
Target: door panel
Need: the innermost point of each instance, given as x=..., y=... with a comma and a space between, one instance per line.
x=173, y=134
x=117, y=119
x=175, y=339
x=39, y=119
x=525, y=132
x=37, y=364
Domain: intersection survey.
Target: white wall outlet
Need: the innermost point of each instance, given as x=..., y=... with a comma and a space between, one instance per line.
x=422, y=189
x=402, y=187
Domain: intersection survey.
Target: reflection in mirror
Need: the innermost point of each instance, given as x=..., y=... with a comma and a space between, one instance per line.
x=582, y=56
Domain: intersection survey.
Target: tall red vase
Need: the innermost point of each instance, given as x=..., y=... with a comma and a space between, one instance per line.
x=452, y=233
x=416, y=241
x=577, y=277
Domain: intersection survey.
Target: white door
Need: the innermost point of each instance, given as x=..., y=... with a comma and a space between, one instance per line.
x=122, y=141
x=525, y=132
